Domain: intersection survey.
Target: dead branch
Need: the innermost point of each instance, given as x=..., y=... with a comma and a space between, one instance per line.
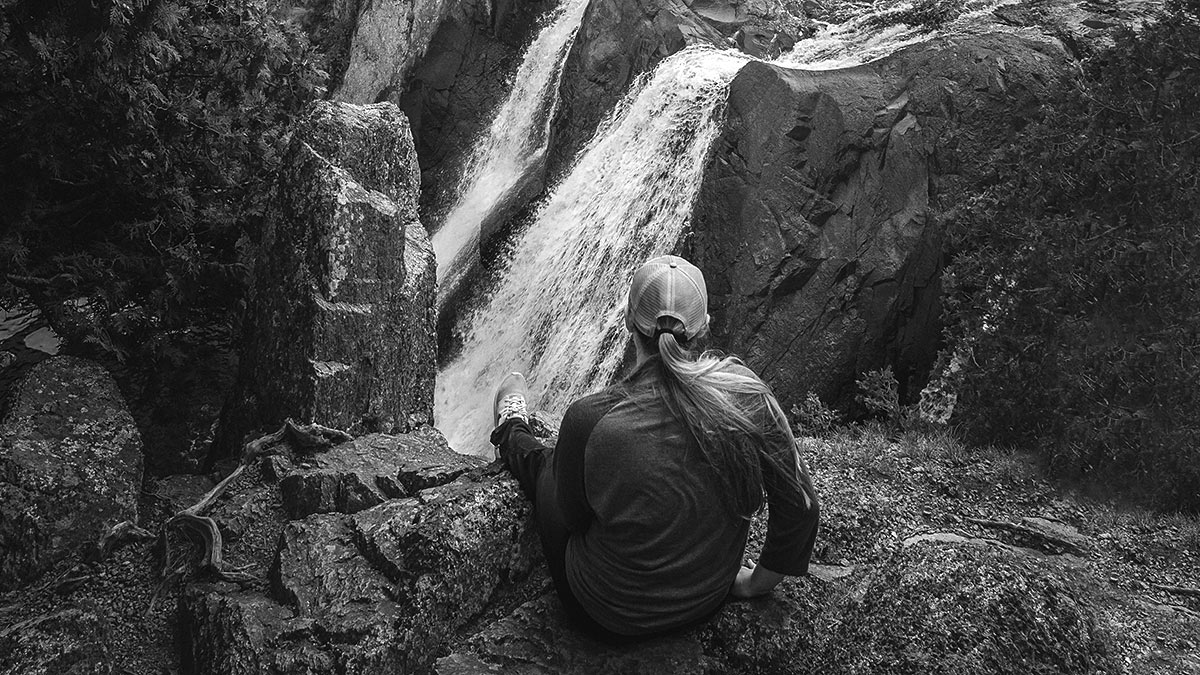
x=1178, y=590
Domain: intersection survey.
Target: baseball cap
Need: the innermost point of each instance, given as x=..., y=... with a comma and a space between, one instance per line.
x=667, y=286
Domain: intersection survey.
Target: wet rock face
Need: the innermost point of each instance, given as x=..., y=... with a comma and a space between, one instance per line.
x=820, y=220
x=618, y=40
x=366, y=589
x=341, y=317
x=70, y=466
x=452, y=93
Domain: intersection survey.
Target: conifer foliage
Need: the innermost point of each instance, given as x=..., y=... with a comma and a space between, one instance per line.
x=138, y=137
x=1076, y=284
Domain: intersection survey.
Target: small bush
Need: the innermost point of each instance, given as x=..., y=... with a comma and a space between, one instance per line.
x=139, y=139
x=811, y=417
x=879, y=393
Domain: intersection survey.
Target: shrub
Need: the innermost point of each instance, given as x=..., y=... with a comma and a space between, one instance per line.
x=811, y=417
x=138, y=137
x=879, y=393
x=1075, y=274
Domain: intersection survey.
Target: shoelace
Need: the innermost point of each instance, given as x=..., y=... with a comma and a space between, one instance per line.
x=512, y=406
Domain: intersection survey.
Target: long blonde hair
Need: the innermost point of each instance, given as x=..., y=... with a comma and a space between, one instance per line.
x=733, y=415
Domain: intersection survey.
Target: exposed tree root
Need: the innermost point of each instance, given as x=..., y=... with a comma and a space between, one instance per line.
x=1034, y=534
x=202, y=546
x=123, y=532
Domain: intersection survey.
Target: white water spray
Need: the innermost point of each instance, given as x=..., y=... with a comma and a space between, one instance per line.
x=557, y=312
x=515, y=142
x=874, y=35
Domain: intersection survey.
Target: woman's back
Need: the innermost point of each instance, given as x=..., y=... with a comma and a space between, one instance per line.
x=655, y=545
x=645, y=509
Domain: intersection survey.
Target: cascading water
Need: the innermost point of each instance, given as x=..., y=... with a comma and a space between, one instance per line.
x=556, y=313
x=875, y=34
x=516, y=142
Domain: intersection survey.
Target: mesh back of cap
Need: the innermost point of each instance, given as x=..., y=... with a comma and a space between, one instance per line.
x=668, y=286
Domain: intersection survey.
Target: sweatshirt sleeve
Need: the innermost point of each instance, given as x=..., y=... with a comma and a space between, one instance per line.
x=568, y=463
x=792, y=513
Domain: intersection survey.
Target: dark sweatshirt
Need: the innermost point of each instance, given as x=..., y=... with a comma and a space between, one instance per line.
x=653, y=546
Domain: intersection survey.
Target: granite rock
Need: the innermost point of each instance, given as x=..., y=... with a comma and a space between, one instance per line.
x=70, y=466
x=820, y=220
x=341, y=327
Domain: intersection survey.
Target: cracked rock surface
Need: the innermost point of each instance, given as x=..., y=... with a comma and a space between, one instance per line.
x=341, y=312
x=360, y=589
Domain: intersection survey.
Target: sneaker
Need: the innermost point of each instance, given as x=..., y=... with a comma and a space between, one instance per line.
x=510, y=399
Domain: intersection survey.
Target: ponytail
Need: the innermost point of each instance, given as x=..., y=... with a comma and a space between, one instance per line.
x=730, y=411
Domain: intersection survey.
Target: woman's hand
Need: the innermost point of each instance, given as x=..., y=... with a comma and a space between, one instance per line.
x=753, y=581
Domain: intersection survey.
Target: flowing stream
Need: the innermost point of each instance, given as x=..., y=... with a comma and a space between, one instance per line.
x=514, y=144
x=556, y=313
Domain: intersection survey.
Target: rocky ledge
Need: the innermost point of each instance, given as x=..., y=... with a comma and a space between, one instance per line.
x=930, y=560
x=362, y=558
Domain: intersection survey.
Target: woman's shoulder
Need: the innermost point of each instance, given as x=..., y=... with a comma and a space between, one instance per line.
x=594, y=406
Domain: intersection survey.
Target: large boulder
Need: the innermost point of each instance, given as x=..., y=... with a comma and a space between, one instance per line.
x=389, y=37
x=70, y=466
x=820, y=219
x=355, y=589
x=966, y=608
x=371, y=470
x=767, y=635
x=933, y=606
x=341, y=325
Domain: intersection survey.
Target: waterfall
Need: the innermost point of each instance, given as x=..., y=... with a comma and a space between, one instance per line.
x=556, y=313
x=873, y=35
x=515, y=143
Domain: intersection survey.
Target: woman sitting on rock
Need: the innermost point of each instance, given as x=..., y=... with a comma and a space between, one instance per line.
x=644, y=505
